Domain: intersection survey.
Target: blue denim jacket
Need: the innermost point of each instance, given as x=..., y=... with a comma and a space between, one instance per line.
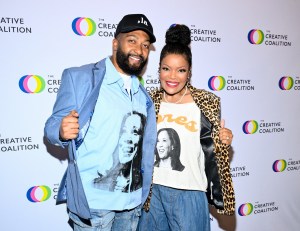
x=79, y=91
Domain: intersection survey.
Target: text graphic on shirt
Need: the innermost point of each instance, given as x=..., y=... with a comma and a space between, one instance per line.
x=181, y=120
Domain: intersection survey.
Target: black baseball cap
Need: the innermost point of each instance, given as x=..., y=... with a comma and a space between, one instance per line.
x=133, y=22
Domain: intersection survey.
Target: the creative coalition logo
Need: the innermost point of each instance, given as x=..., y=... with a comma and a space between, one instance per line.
x=257, y=37
x=219, y=83
x=38, y=193
x=239, y=171
x=42, y=193
x=250, y=127
x=141, y=80
x=53, y=84
x=84, y=26
x=288, y=83
x=32, y=84
x=283, y=165
x=151, y=83
x=263, y=127
x=216, y=83
x=257, y=208
x=14, y=25
x=279, y=166
x=245, y=209
x=17, y=144
x=204, y=35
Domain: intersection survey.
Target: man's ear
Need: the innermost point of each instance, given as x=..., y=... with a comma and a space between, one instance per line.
x=115, y=44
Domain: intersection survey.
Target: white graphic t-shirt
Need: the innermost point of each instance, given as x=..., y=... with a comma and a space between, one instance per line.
x=179, y=158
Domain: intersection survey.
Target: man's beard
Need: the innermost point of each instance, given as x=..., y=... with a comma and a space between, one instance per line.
x=123, y=62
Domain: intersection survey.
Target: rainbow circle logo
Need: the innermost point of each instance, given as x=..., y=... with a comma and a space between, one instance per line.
x=256, y=36
x=245, y=209
x=279, y=165
x=81, y=23
x=140, y=78
x=38, y=193
x=25, y=86
x=286, y=83
x=250, y=127
x=216, y=83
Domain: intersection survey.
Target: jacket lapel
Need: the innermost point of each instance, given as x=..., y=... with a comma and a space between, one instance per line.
x=87, y=109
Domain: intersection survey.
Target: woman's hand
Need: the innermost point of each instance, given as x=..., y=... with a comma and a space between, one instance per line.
x=225, y=135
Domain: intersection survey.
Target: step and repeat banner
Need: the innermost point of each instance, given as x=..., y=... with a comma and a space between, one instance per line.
x=248, y=53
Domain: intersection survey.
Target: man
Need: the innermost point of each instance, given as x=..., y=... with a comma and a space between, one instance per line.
x=91, y=104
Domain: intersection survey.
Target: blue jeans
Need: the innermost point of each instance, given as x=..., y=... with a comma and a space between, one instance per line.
x=175, y=209
x=105, y=220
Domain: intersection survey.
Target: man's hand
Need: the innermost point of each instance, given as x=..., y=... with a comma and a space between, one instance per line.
x=69, y=127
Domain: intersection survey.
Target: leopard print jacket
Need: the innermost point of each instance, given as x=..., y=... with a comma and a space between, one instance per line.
x=209, y=105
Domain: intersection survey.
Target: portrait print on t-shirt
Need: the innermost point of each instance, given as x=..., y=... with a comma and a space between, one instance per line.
x=167, y=151
x=125, y=174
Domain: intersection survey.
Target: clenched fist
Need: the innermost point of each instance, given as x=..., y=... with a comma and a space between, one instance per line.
x=69, y=127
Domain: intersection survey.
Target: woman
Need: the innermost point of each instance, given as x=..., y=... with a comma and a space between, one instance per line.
x=125, y=170
x=179, y=200
x=167, y=151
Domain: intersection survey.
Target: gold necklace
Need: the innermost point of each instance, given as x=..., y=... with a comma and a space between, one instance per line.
x=178, y=101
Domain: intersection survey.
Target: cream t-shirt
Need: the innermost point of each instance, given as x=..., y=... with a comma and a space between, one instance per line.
x=179, y=158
